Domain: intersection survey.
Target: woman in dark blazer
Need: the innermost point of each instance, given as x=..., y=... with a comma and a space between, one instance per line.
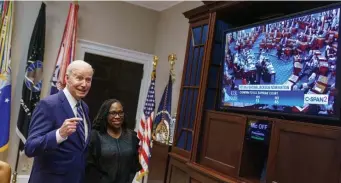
x=113, y=149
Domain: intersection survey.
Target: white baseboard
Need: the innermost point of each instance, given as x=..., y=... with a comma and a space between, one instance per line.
x=22, y=178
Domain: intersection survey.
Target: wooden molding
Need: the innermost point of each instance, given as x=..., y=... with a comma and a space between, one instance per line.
x=209, y=6
x=212, y=173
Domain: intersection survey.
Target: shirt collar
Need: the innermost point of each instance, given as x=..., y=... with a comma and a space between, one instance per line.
x=72, y=101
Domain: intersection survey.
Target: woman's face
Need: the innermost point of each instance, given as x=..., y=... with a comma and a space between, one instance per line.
x=116, y=115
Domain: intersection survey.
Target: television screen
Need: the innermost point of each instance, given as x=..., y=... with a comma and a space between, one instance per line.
x=284, y=66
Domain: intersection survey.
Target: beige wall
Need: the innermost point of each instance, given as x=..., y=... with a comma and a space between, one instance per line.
x=114, y=23
x=171, y=37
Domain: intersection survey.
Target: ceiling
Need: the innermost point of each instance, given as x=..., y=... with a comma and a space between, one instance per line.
x=155, y=5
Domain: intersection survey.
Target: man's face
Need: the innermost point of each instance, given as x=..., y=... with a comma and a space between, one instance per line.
x=79, y=82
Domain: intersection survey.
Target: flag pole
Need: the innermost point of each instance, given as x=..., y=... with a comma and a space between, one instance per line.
x=153, y=76
x=14, y=178
x=171, y=59
x=144, y=132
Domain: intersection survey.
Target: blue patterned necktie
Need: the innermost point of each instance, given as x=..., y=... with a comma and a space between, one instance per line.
x=80, y=114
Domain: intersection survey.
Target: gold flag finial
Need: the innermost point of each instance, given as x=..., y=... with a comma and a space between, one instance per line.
x=171, y=60
x=155, y=61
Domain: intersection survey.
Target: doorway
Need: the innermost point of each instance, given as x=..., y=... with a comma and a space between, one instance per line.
x=117, y=54
x=114, y=78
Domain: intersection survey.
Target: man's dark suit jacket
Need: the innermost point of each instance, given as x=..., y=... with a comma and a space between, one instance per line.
x=53, y=162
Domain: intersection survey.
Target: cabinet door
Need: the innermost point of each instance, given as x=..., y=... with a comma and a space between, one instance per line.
x=304, y=153
x=190, y=88
x=222, y=142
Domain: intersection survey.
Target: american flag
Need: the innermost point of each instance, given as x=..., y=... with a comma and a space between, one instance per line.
x=145, y=129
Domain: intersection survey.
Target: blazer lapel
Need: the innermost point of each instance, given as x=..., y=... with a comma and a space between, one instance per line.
x=69, y=112
x=66, y=105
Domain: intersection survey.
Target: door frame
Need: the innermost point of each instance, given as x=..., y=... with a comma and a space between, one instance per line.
x=85, y=46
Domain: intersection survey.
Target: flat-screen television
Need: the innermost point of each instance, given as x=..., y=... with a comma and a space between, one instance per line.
x=287, y=66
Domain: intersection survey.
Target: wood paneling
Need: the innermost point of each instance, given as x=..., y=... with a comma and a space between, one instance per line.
x=223, y=142
x=159, y=163
x=209, y=172
x=182, y=172
x=304, y=153
x=178, y=175
x=299, y=152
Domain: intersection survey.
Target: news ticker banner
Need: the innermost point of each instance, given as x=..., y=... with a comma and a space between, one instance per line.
x=274, y=95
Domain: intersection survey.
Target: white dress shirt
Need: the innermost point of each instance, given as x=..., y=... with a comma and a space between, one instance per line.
x=73, y=102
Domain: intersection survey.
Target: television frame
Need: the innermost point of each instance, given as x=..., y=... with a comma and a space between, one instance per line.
x=320, y=119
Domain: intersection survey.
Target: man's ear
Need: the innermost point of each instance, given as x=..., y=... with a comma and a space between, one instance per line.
x=66, y=78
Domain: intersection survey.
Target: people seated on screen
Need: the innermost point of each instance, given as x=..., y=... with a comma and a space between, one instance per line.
x=311, y=79
x=310, y=40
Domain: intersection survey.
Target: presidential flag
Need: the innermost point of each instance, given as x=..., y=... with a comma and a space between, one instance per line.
x=33, y=76
x=163, y=118
x=145, y=127
x=66, y=53
x=6, y=10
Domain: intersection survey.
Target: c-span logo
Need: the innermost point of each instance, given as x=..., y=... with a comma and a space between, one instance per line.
x=316, y=99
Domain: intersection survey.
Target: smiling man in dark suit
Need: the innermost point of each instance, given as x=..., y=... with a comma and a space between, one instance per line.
x=59, y=128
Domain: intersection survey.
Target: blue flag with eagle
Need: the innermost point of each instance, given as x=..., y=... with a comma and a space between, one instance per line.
x=163, y=118
x=6, y=22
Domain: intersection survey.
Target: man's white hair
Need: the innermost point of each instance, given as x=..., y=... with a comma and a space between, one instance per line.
x=77, y=64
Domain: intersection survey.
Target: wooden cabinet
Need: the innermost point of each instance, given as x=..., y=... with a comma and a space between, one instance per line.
x=222, y=142
x=298, y=152
x=304, y=153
